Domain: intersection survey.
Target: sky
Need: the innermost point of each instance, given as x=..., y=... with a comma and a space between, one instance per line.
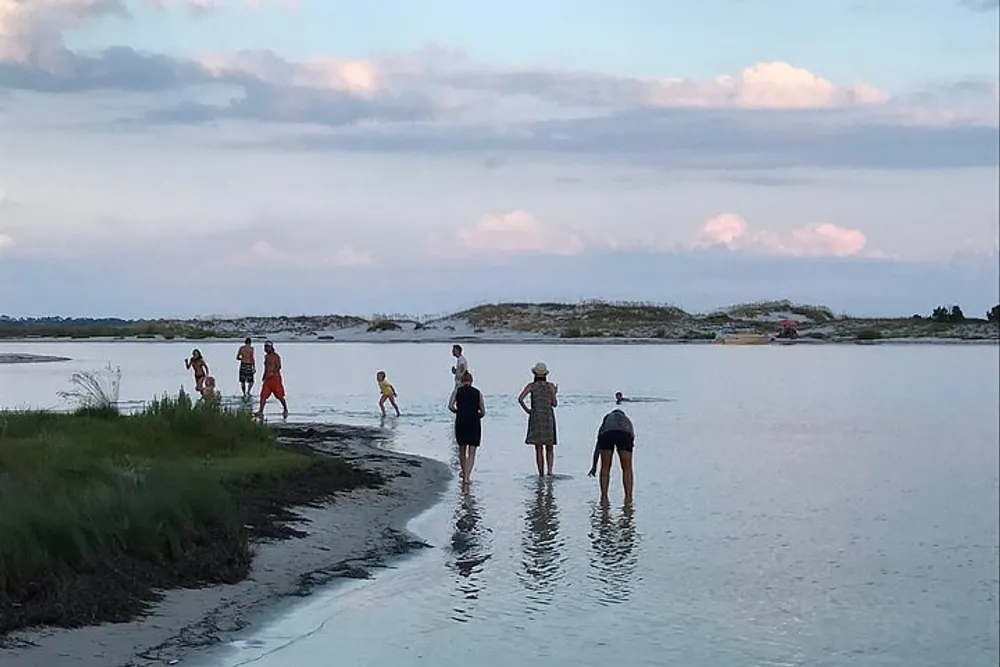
x=210, y=157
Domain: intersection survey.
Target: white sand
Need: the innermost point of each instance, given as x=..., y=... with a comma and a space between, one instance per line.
x=358, y=531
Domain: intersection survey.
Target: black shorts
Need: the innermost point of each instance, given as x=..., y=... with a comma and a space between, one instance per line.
x=247, y=373
x=620, y=440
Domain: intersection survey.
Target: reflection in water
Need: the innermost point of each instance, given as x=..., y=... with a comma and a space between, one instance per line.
x=542, y=563
x=471, y=545
x=613, y=558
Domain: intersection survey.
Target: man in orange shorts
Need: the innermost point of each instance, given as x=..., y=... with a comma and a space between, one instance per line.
x=271, y=382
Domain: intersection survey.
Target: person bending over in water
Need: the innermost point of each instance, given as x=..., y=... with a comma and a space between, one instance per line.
x=386, y=393
x=271, y=382
x=616, y=432
x=469, y=409
x=248, y=368
x=197, y=364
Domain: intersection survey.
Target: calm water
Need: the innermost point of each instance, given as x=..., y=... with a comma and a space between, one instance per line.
x=803, y=505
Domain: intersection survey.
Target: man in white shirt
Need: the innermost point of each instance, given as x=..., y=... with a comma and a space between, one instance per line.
x=460, y=368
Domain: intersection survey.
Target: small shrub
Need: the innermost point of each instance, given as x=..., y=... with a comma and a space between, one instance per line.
x=869, y=333
x=383, y=325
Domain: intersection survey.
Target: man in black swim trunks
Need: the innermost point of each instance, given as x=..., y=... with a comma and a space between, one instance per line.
x=616, y=432
x=247, y=367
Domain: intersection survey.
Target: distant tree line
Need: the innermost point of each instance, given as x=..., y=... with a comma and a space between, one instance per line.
x=954, y=314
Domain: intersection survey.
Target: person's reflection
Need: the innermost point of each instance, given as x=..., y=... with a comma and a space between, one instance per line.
x=542, y=546
x=613, y=559
x=471, y=548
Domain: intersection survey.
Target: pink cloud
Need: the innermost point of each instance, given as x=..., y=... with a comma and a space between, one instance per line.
x=211, y=6
x=515, y=232
x=357, y=76
x=766, y=85
x=813, y=240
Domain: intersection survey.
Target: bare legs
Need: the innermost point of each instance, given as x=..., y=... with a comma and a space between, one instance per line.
x=606, y=460
x=545, y=458
x=628, y=479
x=392, y=401
x=466, y=461
x=625, y=459
x=263, y=402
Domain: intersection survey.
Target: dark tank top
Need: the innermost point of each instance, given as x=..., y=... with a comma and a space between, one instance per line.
x=467, y=403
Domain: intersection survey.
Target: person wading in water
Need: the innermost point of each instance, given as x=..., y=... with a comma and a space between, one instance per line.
x=271, y=382
x=197, y=364
x=248, y=368
x=469, y=408
x=541, y=417
x=615, y=433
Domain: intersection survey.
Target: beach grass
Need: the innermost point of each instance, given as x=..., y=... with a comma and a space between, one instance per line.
x=100, y=509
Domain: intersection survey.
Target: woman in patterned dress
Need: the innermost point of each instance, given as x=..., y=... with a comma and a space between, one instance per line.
x=541, y=417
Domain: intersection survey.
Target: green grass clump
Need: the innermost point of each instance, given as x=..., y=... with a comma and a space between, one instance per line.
x=868, y=333
x=97, y=508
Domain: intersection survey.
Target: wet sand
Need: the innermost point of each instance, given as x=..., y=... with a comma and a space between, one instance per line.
x=360, y=530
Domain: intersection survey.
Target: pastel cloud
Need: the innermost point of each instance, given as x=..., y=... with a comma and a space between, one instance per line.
x=356, y=76
x=265, y=253
x=212, y=6
x=31, y=31
x=822, y=239
x=516, y=232
x=440, y=90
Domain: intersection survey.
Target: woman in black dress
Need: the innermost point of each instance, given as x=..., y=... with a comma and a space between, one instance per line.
x=469, y=408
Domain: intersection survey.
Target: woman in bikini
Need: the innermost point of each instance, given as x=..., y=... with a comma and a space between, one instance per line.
x=197, y=364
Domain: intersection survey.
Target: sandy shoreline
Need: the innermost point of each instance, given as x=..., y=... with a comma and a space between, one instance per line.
x=360, y=530
x=526, y=339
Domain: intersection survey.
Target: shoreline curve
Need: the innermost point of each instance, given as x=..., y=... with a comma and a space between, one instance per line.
x=345, y=538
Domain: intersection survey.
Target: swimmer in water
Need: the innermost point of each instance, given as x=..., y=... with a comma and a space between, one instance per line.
x=619, y=398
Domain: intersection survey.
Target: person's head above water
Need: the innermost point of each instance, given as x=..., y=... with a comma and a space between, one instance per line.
x=619, y=397
x=456, y=350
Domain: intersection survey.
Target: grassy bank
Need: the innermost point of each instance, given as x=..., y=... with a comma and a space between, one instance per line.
x=98, y=510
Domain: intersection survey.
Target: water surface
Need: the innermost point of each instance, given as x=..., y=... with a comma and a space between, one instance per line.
x=812, y=505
